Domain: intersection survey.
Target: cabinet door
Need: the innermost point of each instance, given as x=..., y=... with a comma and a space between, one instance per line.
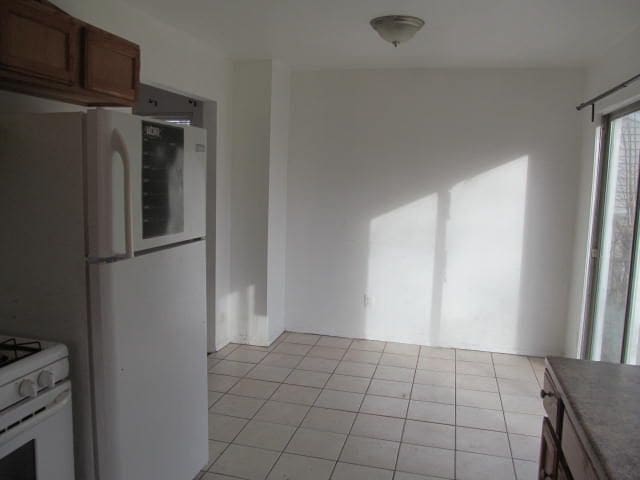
x=112, y=64
x=39, y=41
x=549, y=453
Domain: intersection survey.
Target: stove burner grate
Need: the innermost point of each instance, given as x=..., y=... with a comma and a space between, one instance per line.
x=11, y=350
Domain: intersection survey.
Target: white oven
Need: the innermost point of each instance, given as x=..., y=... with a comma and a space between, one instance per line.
x=36, y=428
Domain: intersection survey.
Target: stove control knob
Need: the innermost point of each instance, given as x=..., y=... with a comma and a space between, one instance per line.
x=46, y=379
x=28, y=388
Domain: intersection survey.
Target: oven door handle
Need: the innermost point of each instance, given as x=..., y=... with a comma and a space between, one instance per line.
x=54, y=407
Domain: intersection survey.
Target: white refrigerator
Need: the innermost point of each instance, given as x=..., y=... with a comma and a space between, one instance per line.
x=102, y=247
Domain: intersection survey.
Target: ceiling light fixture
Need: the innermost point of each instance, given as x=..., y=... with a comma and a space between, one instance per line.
x=397, y=29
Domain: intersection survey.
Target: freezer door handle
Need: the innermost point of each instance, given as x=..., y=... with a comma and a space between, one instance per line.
x=119, y=145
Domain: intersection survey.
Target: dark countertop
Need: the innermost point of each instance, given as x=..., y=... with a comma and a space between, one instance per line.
x=604, y=398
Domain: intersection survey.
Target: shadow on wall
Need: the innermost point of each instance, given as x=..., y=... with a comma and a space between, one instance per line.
x=445, y=269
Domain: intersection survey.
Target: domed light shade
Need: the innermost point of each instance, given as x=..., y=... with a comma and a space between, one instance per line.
x=397, y=29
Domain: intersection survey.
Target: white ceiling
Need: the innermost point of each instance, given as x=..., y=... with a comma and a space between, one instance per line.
x=458, y=33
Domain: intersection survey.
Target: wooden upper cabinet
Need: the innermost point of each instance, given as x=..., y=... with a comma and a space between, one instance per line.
x=48, y=53
x=38, y=40
x=111, y=64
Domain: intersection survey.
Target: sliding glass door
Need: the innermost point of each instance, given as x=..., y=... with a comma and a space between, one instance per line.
x=615, y=308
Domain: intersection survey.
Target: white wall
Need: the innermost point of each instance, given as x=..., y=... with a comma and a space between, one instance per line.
x=250, y=199
x=279, y=149
x=448, y=197
x=620, y=63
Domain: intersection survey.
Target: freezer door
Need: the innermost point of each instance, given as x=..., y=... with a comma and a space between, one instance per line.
x=146, y=184
x=148, y=321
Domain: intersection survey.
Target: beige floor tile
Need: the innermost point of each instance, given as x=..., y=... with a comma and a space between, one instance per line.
x=335, y=342
x=336, y=421
x=292, y=348
x=315, y=443
x=270, y=436
x=223, y=428
x=304, y=338
x=361, y=356
x=244, y=354
x=475, y=466
x=482, y=441
x=331, y=353
x=388, y=406
x=306, y=378
x=426, y=460
x=441, y=379
x=347, y=471
x=275, y=359
x=269, y=374
x=475, y=368
x=402, y=348
x=213, y=396
x=318, y=364
x=356, y=369
x=437, y=352
x=478, y=399
x=433, y=393
x=296, y=394
x=376, y=426
x=431, y=412
x=397, y=360
x=388, y=388
x=236, y=406
x=369, y=345
x=475, y=382
x=480, y=418
x=221, y=383
x=248, y=387
x=522, y=388
x=413, y=476
x=334, y=399
x=215, y=449
x=228, y=367
x=516, y=372
x=245, y=462
x=523, y=424
x=295, y=467
x=473, y=356
x=436, y=364
x=348, y=383
x=283, y=413
x=215, y=476
x=429, y=434
x=524, y=447
x=522, y=404
x=371, y=452
x=396, y=374
x=526, y=470
x=509, y=359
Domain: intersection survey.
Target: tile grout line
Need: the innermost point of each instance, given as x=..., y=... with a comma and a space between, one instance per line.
x=359, y=408
x=504, y=418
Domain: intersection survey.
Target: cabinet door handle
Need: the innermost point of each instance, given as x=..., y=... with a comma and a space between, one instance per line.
x=546, y=394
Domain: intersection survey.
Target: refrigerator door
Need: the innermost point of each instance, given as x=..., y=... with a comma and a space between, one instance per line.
x=146, y=184
x=148, y=322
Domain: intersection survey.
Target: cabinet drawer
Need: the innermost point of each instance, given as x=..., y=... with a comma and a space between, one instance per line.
x=38, y=41
x=111, y=64
x=552, y=404
x=549, y=452
x=575, y=455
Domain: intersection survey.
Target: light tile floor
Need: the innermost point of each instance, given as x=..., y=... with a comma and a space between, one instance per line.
x=312, y=407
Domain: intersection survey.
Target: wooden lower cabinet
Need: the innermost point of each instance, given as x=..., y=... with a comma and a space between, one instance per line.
x=549, y=453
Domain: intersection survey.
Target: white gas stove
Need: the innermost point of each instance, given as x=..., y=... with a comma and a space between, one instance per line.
x=36, y=432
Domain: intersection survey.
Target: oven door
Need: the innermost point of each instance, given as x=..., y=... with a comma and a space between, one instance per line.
x=36, y=437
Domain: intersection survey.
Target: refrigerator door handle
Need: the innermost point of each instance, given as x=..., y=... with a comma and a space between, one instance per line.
x=119, y=145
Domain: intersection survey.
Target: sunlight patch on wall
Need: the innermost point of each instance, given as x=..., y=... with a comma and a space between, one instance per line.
x=484, y=242
x=400, y=271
